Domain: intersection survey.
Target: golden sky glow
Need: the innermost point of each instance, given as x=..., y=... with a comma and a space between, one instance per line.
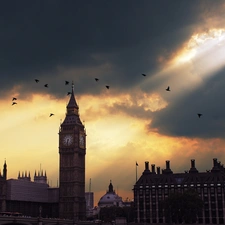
x=117, y=122
x=115, y=141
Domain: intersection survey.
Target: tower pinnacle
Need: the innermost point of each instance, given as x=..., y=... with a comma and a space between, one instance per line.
x=72, y=107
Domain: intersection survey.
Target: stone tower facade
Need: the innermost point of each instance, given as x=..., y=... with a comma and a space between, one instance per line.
x=72, y=150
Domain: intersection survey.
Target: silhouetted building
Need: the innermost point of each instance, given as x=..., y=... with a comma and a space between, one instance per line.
x=110, y=198
x=154, y=186
x=72, y=151
x=35, y=198
x=26, y=196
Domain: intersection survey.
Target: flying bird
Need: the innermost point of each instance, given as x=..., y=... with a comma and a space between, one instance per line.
x=199, y=115
x=36, y=80
x=46, y=85
x=67, y=82
x=14, y=99
x=96, y=79
x=68, y=93
x=51, y=114
x=143, y=74
x=14, y=103
x=107, y=86
x=168, y=89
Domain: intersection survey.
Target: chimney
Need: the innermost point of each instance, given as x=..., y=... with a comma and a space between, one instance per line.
x=193, y=169
x=167, y=164
x=153, y=168
x=192, y=163
x=215, y=162
x=158, y=170
x=216, y=166
x=146, y=165
x=146, y=171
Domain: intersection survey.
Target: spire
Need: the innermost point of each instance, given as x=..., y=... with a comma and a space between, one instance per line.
x=72, y=107
x=5, y=170
x=110, y=187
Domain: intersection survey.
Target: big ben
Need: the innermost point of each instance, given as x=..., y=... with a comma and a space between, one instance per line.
x=72, y=150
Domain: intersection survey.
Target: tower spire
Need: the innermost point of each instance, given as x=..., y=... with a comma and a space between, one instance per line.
x=72, y=107
x=5, y=170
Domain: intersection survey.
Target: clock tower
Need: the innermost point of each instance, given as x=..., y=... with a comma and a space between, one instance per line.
x=72, y=150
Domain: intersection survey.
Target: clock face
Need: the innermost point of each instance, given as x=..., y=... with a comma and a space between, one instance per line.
x=81, y=140
x=68, y=140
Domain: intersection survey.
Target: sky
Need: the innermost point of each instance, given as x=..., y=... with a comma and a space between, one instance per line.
x=179, y=43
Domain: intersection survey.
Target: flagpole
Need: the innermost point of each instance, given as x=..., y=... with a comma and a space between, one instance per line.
x=136, y=171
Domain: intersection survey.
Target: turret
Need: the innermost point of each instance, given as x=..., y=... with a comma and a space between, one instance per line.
x=24, y=176
x=5, y=170
x=41, y=177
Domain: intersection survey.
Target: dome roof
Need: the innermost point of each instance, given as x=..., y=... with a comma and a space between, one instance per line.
x=110, y=198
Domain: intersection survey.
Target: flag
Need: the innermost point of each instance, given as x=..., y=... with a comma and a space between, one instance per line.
x=136, y=164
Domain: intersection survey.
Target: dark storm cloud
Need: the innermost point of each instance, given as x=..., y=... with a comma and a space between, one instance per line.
x=181, y=119
x=38, y=36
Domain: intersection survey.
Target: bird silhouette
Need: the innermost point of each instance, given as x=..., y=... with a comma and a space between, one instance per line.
x=14, y=103
x=36, y=80
x=199, y=115
x=67, y=82
x=51, y=114
x=14, y=99
x=107, y=86
x=168, y=89
x=143, y=74
x=46, y=85
x=96, y=79
x=68, y=93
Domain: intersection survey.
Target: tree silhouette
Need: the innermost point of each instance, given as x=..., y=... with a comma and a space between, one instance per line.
x=108, y=214
x=183, y=207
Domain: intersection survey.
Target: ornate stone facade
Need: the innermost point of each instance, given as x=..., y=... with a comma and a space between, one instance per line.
x=72, y=150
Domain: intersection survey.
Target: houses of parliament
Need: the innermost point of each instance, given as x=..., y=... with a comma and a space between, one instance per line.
x=34, y=197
